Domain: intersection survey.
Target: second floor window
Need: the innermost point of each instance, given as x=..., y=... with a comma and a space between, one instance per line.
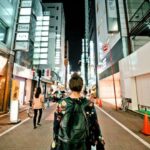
x=3, y=32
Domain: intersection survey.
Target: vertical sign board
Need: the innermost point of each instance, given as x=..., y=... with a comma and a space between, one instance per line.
x=14, y=107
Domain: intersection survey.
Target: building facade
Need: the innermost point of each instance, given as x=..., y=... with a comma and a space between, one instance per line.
x=57, y=38
x=134, y=69
x=8, y=17
x=122, y=41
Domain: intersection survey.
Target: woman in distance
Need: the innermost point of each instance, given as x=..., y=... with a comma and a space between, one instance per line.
x=37, y=106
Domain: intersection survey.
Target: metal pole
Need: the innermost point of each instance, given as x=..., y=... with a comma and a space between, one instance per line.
x=112, y=72
x=39, y=75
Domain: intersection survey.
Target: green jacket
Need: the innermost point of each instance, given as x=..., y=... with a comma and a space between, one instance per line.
x=71, y=124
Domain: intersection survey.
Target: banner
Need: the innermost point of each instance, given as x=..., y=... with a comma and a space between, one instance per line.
x=14, y=103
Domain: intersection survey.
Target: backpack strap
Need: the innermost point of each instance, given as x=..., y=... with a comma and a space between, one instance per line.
x=87, y=124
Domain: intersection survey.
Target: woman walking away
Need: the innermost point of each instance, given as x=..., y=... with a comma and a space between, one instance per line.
x=37, y=106
x=71, y=129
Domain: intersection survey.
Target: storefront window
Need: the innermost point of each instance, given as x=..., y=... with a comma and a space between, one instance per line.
x=112, y=17
x=3, y=62
x=3, y=32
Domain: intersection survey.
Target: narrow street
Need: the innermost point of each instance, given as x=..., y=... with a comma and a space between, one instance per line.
x=24, y=137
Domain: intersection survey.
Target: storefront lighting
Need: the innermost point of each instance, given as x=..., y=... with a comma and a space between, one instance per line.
x=3, y=62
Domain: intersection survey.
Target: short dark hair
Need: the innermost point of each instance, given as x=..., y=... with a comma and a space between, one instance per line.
x=76, y=83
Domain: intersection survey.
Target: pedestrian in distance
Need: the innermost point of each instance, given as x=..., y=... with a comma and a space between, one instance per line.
x=37, y=105
x=71, y=120
x=85, y=93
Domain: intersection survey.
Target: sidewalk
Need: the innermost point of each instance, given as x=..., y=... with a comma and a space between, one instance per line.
x=132, y=120
x=5, y=123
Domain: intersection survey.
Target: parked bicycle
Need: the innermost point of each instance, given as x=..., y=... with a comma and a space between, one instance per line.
x=30, y=110
x=125, y=104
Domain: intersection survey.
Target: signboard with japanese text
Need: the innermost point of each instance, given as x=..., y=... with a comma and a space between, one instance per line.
x=22, y=46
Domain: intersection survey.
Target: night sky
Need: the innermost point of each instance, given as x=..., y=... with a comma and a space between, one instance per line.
x=74, y=15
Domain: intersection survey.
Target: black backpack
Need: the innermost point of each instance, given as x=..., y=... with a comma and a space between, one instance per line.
x=73, y=126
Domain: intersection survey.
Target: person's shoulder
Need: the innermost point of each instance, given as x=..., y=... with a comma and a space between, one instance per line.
x=87, y=102
x=41, y=95
x=63, y=105
x=66, y=100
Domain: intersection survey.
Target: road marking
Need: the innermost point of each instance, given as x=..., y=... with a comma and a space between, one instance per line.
x=125, y=128
x=3, y=133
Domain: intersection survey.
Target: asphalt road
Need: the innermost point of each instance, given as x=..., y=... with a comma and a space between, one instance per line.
x=24, y=137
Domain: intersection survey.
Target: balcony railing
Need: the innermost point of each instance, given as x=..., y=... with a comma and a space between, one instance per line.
x=139, y=15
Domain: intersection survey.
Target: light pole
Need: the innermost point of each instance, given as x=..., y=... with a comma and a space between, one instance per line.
x=112, y=73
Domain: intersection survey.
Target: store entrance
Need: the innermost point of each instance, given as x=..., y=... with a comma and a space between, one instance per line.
x=2, y=91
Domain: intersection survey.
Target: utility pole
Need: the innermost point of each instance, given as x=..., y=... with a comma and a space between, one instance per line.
x=39, y=76
x=85, y=63
x=66, y=63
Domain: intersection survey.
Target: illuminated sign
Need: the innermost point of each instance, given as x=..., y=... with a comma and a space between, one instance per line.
x=25, y=11
x=24, y=19
x=22, y=36
x=22, y=46
x=23, y=27
x=26, y=3
x=3, y=62
x=23, y=72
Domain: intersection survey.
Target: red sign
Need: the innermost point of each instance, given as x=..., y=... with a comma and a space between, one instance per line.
x=105, y=47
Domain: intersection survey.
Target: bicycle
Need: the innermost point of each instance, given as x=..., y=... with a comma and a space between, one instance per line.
x=30, y=110
x=125, y=104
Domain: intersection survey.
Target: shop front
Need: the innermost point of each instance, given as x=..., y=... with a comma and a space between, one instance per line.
x=24, y=76
x=3, y=78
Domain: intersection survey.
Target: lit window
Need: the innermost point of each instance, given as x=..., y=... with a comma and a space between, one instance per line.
x=44, y=44
x=37, y=33
x=46, y=13
x=45, y=33
x=57, y=62
x=36, y=62
x=46, y=18
x=37, y=50
x=44, y=49
x=37, y=39
x=58, y=35
x=43, y=61
x=43, y=55
x=38, y=28
x=36, y=55
x=39, y=18
x=39, y=23
x=44, y=39
x=37, y=44
x=45, y=28
x=45, y=23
